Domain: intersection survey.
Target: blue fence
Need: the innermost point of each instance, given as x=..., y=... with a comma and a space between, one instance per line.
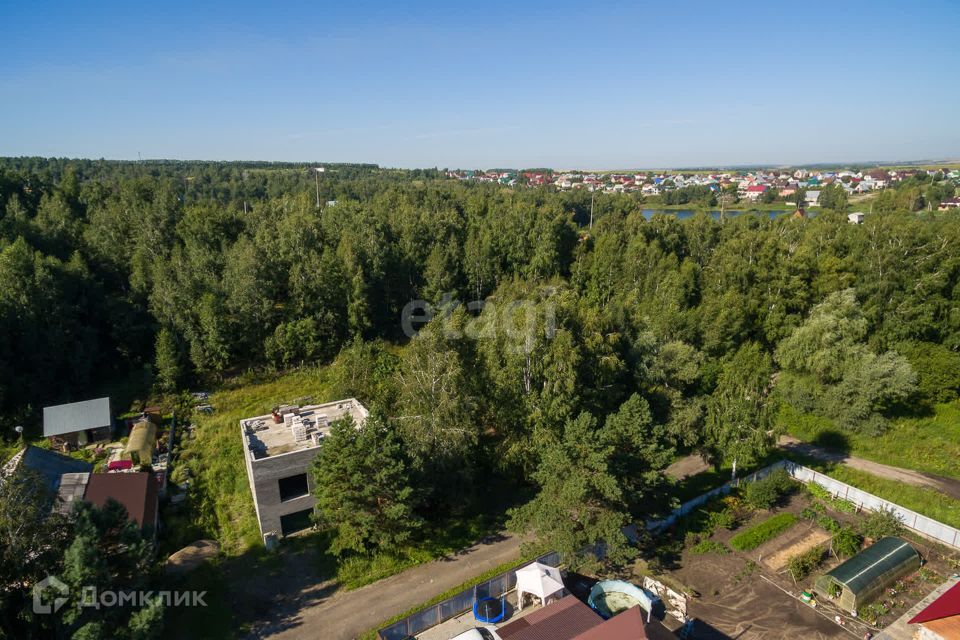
x=460, y=603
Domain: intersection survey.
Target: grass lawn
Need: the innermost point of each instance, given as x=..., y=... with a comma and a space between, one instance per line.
x=925, y=443
x=221, y=502
x=924, y=501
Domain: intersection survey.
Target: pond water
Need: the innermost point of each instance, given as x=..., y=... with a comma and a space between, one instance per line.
x=682, y=214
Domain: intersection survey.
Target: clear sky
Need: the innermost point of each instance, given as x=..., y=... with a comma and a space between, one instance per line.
x=483, y=84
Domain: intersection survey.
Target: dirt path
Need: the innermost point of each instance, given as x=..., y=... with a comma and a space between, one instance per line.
x=686, y=467
x=948, y=486
x=319, y=611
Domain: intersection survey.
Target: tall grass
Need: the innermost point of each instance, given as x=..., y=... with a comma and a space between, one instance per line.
x=928, y=502
x=221, y=500
x=925, y=443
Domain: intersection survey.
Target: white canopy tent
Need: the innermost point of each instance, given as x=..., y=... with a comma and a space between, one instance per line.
x=539, y=580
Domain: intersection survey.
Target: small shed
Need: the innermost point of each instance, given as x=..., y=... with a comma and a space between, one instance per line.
x=857, y=581
x=78, y=423
x=855, y=218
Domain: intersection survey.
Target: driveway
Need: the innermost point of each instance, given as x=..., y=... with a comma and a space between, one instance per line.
x=321, y=611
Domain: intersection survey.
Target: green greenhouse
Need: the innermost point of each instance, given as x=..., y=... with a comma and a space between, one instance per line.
x=858, y=580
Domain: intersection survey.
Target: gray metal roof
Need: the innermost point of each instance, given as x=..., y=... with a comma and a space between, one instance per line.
x=51, y=465
x=76, y=416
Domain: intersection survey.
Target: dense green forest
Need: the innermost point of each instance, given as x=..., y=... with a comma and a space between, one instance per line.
x=554, y=345
x=636, y=335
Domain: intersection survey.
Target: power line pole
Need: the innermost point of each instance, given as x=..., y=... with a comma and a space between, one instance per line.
x=318, y=171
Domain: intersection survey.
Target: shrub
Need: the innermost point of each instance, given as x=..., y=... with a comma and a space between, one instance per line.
x=760, y=533
x=846, y=542
x=880, y=523
x=721, y=520
x=828, y=523
x=709, y=546
x=808, y=513
x=823, y=495
x=801, y=565
x=767, y=492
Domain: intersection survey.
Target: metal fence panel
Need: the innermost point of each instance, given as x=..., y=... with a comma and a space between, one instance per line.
x=457, y=604
x=396, y=631
x=423, y=620
x=462, y=602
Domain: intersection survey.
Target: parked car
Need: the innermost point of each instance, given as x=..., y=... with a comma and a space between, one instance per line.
x=478, y=633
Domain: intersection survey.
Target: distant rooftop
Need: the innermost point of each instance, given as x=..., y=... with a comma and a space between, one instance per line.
x=291, y=428
x=76, y=416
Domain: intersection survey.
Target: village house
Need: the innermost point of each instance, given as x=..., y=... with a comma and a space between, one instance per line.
x=949, y=203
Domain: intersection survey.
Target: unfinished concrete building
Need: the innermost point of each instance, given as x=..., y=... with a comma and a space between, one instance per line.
x=278, y=450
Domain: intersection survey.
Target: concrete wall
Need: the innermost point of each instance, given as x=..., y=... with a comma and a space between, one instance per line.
x=264, y=475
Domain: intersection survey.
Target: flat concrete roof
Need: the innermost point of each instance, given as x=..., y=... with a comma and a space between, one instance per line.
x=264, y=437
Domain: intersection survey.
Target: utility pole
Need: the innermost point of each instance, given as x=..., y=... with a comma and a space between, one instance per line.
x=593, y=194
x=318, y=171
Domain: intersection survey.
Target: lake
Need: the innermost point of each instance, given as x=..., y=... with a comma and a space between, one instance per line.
x=714, y=213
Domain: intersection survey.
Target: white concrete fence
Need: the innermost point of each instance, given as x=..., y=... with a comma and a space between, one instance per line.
x=927, y=527
x=920, y=524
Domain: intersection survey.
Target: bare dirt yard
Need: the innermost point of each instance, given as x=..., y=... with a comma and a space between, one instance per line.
x=799, y=538
x=736, y=603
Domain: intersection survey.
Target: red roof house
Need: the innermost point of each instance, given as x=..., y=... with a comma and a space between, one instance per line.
x=137, y=492
x=627, y=625
x=564, y=619
x=941, y=619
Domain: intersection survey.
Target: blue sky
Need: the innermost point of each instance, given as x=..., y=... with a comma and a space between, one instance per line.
x=471, y=84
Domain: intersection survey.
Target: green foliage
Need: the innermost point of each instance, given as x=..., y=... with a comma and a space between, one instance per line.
x=880, y=523
x=709, y=546
x=759, y=533
x=363, y=490
x=846, y=542
x=803, y=564
x=738, y=416
x=770, y=490
x=574, y=511
x=936, y=433
x=108, y=552
x=937, y=368
x=828, y=523
x=723, y=519
x=835, y=374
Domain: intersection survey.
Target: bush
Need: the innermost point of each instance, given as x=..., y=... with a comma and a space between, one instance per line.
x=725, y=519
x=846, y=542
x=803, y=564
x=760, y=533
x=828, y=523
x=709, y=546
x=821, y=494
x=880, y=523
x=767, y=492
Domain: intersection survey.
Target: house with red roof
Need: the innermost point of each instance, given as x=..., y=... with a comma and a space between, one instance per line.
x=940, y=620
x=754, y=191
